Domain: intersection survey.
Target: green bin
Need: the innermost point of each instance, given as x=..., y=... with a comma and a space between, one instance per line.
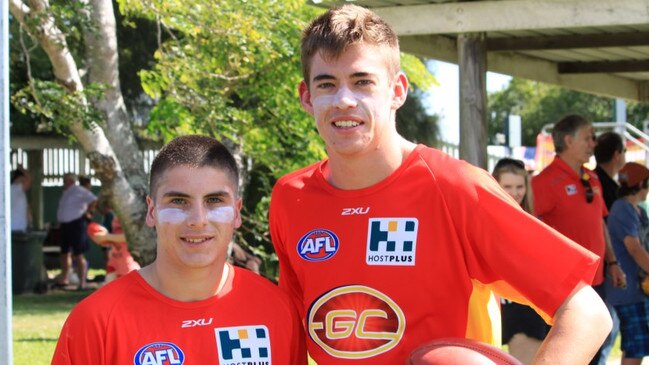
x=26, y=261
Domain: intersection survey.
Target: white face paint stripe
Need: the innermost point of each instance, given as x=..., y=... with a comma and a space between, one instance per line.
x=172, y=215
x=221, y=215
x=175, y=215
x=322, y=100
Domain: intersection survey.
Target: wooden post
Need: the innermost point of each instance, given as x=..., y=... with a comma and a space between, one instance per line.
x=472, y=56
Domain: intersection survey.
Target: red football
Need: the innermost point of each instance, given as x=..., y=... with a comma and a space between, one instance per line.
x=460, y=351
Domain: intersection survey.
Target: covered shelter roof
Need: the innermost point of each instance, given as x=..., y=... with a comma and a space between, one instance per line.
x=595, y=46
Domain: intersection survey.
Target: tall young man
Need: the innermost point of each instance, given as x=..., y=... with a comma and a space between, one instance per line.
x=189, y=306
x=381, y=243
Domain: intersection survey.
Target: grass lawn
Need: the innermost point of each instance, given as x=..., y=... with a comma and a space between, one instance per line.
x=37, y=321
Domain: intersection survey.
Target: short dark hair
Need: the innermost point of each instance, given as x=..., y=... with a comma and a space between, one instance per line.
x=84, y=180
x=566, y=126
x=193, y=151
x=16, y=174
x=607, y=144
x=337, y=29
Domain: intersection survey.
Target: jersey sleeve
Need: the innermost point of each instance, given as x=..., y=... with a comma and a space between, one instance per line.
x=288, y=279
x=82, y=338
x=298, y=338
x=505, y=246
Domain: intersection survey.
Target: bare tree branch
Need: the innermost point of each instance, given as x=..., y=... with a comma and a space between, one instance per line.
x=18, y=9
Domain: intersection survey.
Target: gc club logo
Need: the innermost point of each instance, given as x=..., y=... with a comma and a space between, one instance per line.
x=318, y=245
x=355, y=322
x=159, y=353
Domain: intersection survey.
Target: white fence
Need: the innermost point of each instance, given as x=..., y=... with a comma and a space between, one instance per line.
x=59, y=161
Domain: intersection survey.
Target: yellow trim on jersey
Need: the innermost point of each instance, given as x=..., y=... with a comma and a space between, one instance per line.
x=484, y=323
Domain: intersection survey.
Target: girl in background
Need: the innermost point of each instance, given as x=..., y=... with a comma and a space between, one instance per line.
x=523, y=329
x=120, y=262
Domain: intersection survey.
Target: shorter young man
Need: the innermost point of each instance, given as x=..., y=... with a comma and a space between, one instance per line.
x=189, y=306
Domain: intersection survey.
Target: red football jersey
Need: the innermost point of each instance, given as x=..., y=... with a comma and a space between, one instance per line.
x=129, y=322
x=381, y=270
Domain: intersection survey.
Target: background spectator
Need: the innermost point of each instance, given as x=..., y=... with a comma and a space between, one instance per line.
x=609, y=154
x=20, y=214
x=628, y=224
x=74, y=204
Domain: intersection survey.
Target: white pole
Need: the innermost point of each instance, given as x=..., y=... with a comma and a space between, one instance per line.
x=620, y=115
x=6, y=350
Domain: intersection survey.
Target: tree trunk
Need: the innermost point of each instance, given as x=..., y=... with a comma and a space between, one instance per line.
x=129, y=188
x=128, y=200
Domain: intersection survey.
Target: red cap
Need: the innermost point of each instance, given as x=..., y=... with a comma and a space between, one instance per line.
x=632, y=174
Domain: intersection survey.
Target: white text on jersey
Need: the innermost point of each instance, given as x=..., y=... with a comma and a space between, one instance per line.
x=196, y=322
x=352, y=211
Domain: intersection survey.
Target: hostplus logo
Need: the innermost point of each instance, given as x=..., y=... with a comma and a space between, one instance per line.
x=249, y=345
x=391, y=241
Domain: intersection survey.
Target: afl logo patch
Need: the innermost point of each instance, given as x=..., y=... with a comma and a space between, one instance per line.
x=355, y=322
x=159, y=353
x=318, y=245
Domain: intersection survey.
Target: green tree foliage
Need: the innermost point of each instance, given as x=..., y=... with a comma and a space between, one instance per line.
x=638, y=114
x=539, y=104
x=230, y=69
x=27, y=60
x=414, y=123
